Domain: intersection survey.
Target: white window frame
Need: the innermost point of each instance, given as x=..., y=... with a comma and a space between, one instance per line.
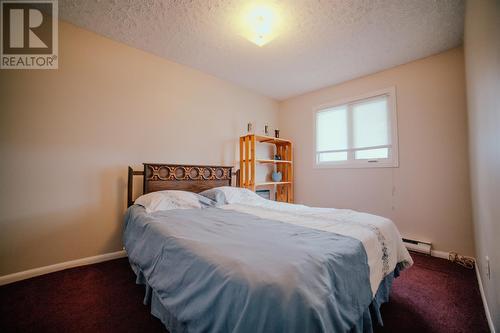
x=391, y=162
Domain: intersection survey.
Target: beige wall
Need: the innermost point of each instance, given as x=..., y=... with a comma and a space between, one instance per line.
x=482, y=63
x=428, y=195
x=67, y=136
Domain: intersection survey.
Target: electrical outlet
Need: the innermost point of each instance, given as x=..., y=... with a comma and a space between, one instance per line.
x=488, y=272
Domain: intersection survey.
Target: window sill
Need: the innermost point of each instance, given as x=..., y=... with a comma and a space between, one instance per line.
x=365, y=165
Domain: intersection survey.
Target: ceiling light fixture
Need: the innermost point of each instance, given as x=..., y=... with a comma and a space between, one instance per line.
x=260, y=22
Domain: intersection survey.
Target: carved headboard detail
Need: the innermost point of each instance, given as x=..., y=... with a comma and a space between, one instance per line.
x=193, y=178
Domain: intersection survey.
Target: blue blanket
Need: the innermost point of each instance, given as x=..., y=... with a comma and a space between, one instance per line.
x=215, y=270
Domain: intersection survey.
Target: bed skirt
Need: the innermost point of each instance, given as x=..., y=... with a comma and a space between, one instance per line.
x=370, y=318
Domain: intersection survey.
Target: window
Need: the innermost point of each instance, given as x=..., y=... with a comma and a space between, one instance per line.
x=361, y=132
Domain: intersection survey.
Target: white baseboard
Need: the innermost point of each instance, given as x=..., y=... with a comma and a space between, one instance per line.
x=440, y=254
x=485, y=302
x=6, y=279
x=435, y=253
x=60, y=266
x=445, y=255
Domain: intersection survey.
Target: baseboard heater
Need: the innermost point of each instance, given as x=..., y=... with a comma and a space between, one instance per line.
x=417, y=246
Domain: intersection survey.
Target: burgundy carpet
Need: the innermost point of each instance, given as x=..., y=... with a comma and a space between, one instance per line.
x=434, y=295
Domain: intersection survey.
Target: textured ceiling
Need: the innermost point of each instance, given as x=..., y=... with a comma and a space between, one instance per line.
x=323, y=42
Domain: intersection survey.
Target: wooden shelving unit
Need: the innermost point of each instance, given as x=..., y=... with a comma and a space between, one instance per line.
x=248, y=161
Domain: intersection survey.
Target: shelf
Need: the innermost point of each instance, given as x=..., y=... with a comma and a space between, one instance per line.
x=272, y=183
x=269, y=139
x=272, y=161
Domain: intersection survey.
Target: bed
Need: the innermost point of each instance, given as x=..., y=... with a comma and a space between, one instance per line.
x=241, y=263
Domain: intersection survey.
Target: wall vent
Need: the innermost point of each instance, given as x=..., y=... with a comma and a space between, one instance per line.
x=417, y=246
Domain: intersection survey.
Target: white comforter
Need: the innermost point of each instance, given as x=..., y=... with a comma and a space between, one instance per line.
x=379, y=235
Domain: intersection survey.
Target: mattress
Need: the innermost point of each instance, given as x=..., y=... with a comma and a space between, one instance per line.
x=262, y=268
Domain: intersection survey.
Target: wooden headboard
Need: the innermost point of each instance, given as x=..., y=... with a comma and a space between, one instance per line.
x=193, y=178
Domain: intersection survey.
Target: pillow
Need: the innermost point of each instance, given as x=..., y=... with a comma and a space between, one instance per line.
x=228, y=195
x=172, y=199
